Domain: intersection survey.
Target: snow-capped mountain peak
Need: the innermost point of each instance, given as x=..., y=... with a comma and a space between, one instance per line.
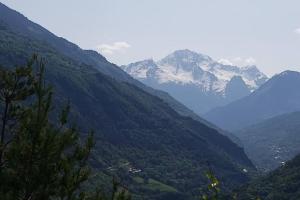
x=189, y=67
x=186, y=68
x=140, y=69
x=185, y=60
x=184, y=57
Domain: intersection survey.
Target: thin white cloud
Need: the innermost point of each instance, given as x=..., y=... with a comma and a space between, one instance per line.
x=113, y=48
x=225, y=61
x=297, y=30
x=250, y=61
x=238, y=61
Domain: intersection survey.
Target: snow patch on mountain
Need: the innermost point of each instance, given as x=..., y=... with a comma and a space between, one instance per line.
x=188, y=67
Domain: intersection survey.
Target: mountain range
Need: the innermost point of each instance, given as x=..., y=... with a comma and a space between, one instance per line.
x=158, y=147
x=134, y=127
x=20, y=24
x=196, y=80
x=279, y=95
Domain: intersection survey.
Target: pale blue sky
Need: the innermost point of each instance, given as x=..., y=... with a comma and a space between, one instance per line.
x=240, y=31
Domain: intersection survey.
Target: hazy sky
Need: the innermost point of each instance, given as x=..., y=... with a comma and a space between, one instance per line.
x=264, y=32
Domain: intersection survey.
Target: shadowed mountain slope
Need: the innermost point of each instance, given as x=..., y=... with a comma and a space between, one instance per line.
x=277, y=96
x=134, y=129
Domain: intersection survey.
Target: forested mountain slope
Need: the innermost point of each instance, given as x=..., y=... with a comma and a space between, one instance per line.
x=281, y=184
x=138, y=136
x=272, y=142
x=18, y=23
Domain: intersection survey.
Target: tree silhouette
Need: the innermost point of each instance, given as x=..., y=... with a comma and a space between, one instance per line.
x=41, y=159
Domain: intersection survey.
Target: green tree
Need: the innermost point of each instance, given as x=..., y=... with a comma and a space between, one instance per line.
x=213, y=186
x=15, y=86
x=41, y=159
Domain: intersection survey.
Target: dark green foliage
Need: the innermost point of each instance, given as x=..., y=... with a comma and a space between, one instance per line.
x=14, y=87
x=39, y=159
x=281, y=184
x=213, y=187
